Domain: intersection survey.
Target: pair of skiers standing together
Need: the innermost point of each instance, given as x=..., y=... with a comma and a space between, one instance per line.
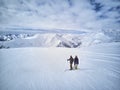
x=75, y=60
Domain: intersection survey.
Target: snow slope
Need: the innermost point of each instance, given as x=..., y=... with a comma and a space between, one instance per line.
x=47, y=68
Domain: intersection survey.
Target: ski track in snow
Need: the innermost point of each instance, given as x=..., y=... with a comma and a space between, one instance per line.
x=47, y=69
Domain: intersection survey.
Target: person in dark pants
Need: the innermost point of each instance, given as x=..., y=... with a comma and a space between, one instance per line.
x=76, y=62
x=71, y=62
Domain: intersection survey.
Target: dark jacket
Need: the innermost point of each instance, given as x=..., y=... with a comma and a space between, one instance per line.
x=71, y=60
x=76, y=60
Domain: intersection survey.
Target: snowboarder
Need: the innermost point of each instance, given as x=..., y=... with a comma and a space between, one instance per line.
x=71, y=62
x=76, y=62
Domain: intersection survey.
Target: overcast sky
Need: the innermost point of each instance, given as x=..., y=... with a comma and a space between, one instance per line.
x=61, y=14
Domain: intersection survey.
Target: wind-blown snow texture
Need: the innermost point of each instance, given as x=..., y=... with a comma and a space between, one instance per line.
x=47, y=68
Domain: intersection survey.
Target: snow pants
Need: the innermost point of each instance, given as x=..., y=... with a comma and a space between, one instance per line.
x=71, y=67
x=76, y=66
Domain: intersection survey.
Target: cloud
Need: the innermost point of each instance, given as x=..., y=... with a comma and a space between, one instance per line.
x=65, y=14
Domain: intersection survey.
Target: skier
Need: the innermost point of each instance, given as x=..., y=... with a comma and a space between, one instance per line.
x=76, y=62
x=71, y=62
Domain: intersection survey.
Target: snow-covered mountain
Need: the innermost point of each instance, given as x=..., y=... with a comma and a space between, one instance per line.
x=40, y=40
x=114, y=34
x=56, y=39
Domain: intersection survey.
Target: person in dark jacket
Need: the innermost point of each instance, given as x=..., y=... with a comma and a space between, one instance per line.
x=76, y=62
x=71, y=62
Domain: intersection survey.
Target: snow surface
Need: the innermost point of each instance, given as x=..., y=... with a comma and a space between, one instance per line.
x=47, y=68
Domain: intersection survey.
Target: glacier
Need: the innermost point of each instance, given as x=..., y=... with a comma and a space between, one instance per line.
x=34, y=68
